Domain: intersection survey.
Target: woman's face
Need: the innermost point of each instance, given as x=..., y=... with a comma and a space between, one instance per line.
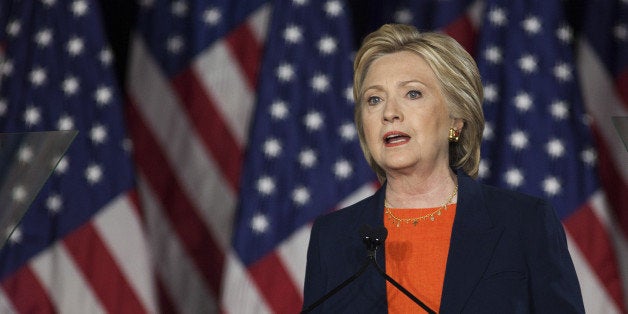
x=404, y=113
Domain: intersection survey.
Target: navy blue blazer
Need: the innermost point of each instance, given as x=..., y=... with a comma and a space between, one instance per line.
x=508, y=254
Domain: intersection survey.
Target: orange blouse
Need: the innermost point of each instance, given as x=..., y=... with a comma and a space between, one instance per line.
x=416, y=256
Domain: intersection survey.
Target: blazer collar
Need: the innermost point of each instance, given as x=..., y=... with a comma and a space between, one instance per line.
x=473, y=240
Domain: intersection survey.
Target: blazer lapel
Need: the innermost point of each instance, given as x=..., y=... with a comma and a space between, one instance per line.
x=473, y=240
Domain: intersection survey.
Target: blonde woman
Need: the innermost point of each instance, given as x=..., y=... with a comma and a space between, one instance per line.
x=457, y=245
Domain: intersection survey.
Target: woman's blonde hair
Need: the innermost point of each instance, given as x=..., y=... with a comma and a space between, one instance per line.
x=456, y=72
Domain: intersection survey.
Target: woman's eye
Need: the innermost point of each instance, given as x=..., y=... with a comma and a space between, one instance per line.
x=414, y=94
x=373, y=100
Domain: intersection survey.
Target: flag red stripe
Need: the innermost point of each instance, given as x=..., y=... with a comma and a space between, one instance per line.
x=276, y=285
x=210, y=126
x=199, y=243
x=464, y=32
x=26, y=292
x=594, y=243
x=101, y=271
x=244, y=47
x=610, y=177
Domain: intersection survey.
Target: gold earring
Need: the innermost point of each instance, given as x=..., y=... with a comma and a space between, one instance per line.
x=454, y=135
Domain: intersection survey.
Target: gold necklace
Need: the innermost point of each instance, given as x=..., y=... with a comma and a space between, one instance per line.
x=416, y=220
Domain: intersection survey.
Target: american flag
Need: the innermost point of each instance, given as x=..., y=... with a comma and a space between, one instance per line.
x=80, y=248
x=239, y=114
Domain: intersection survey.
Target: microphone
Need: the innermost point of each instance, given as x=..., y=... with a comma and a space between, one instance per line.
x=372, y=239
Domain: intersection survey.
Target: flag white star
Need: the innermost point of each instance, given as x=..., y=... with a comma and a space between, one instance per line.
x=589, y=156
x=179, y=8
x=565, y=34
x=6, y=67
x=278, y=110
x=404, y=16
x=259, y=223
x=32, y=116
x=25, y=154
x=347, y=131
x=532, y=25
x=19, y=194
x=555, y=148
x=38, y=76
x=497, y=16
x=343, y=169
x=333, y=8
x=327, y=45
x=272, y=147
x=293, y=34
x=175, y=44
x=75, y=46
x=519, y=140
x=93, y=174
x=493, y=54
x=70, y=85
x=488, y=133
x=528, y=63
x=49, y=3
x=313, y=121
x=212, y=16
x=63, y=165
x=103, y=95
x=105, y=56
x=514, y=177
x=484, y=168
x=562, y=71
x=54, y=202
x=285, y=72
x=349, y=94
x=266, y=185
x=65, y=123
x=79, y=8
x=307, y=158
x=43, y=38
x=13, y=28
x=301, y=195
x=16, y=235
x=552, y=186
x=491, y=94
x=98, y=134
x=320, y=83
x=523, y=101
x=299, y=3
x=559, y=110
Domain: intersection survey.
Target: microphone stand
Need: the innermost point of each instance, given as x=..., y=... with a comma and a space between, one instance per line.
x=372, y=238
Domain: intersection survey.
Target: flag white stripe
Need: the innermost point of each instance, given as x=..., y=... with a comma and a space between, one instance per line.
x=293, y=255
x=6, y=306
x=197, y=173
x=182, y=280
x=259, y=22
x=596, y=300
x=64, y=282
x=602, y=103
x=240, y=294
x=224, y=82
x=221, y=76
x=122, y=233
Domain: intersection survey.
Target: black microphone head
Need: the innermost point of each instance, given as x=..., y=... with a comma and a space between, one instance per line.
x=373, y=237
